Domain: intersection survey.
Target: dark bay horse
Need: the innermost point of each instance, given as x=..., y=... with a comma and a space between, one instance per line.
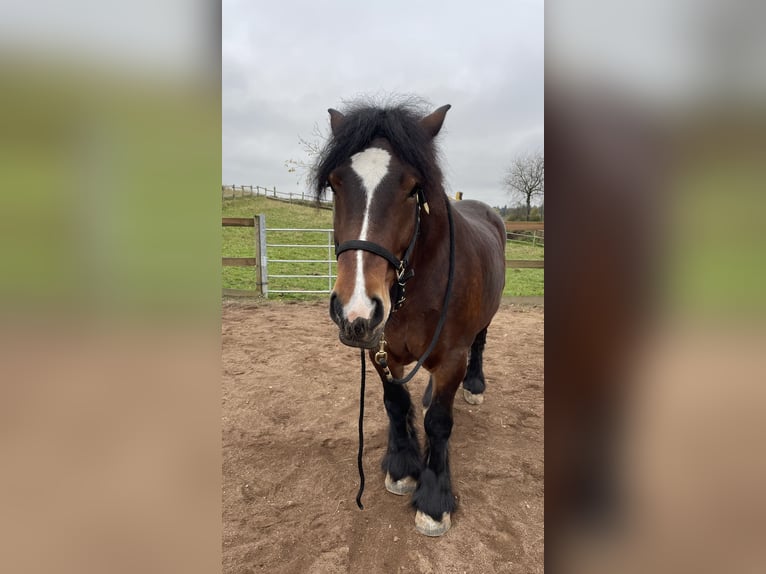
x=416, y=273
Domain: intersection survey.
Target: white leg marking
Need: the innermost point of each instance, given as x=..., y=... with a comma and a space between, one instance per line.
x=471, y=398
x=402, y=486
x=371, y=165
x=430, y=527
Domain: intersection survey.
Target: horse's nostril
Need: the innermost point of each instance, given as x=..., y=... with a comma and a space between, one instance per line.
x=377, y=313
x=336, y=309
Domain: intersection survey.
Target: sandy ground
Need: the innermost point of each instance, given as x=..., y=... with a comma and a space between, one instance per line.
x=290, y=409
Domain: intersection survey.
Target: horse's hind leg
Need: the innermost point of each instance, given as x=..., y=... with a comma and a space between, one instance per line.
x=474, y=384
x=402, y=461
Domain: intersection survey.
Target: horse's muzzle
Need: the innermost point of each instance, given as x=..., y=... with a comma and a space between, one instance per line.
x=360, y=332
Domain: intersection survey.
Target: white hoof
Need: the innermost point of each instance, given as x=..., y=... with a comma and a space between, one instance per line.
x=430, y=527
x=471, y=398
x=402, y=486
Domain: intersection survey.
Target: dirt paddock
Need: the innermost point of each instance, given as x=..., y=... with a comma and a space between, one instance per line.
x=290, y=409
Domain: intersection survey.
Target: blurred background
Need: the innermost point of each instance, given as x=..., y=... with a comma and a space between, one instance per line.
x=656, y=147
x=109, y=289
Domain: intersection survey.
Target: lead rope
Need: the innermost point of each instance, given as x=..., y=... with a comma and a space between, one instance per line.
x=361, y=439
x=382, y=355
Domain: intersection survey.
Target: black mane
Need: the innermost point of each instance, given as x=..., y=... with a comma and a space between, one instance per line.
x=398, y=123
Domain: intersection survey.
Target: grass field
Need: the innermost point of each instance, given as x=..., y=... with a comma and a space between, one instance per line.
x=238, y=242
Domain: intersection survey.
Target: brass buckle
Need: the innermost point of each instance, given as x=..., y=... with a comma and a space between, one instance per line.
x=381, y=357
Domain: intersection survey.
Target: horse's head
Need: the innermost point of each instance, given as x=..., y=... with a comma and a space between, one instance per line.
x=376, y=203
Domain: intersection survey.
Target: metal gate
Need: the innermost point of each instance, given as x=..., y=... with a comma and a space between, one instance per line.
x=291, y=267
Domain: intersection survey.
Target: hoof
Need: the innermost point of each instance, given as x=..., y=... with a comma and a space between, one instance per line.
x=402, y=486
x=430, y=527
x=471, y=398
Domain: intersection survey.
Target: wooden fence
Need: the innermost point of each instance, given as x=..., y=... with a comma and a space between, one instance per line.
x=235, y=191
x=510, y=227
x=259, y=262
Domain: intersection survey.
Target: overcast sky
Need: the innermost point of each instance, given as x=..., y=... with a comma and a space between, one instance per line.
x=285, y=62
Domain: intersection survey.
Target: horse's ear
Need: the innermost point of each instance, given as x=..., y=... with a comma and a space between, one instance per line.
x=336, y=120
x=432, y=123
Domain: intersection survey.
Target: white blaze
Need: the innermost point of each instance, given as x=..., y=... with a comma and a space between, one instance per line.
x=371, y=165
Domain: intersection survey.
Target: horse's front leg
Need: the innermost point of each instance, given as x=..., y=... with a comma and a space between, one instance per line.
x=433, y=497
x=402, y=462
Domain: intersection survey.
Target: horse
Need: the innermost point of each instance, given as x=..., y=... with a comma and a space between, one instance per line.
x=419, y=278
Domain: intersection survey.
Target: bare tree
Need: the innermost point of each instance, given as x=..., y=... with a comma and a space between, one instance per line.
x=311, y=147
x=525, y=178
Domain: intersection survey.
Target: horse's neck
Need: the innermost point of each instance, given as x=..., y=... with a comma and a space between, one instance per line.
x=432, y=248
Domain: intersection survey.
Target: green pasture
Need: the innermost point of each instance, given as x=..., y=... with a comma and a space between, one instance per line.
x=238, y=242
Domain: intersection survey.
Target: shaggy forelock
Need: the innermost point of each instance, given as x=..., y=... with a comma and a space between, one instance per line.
x=396, y=121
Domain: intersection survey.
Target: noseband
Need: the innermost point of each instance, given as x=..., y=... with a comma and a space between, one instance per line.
x=403, y=273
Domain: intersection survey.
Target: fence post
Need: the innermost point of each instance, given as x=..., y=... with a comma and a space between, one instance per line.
x=261, y=269
x=329, y=260
x=534, y=237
